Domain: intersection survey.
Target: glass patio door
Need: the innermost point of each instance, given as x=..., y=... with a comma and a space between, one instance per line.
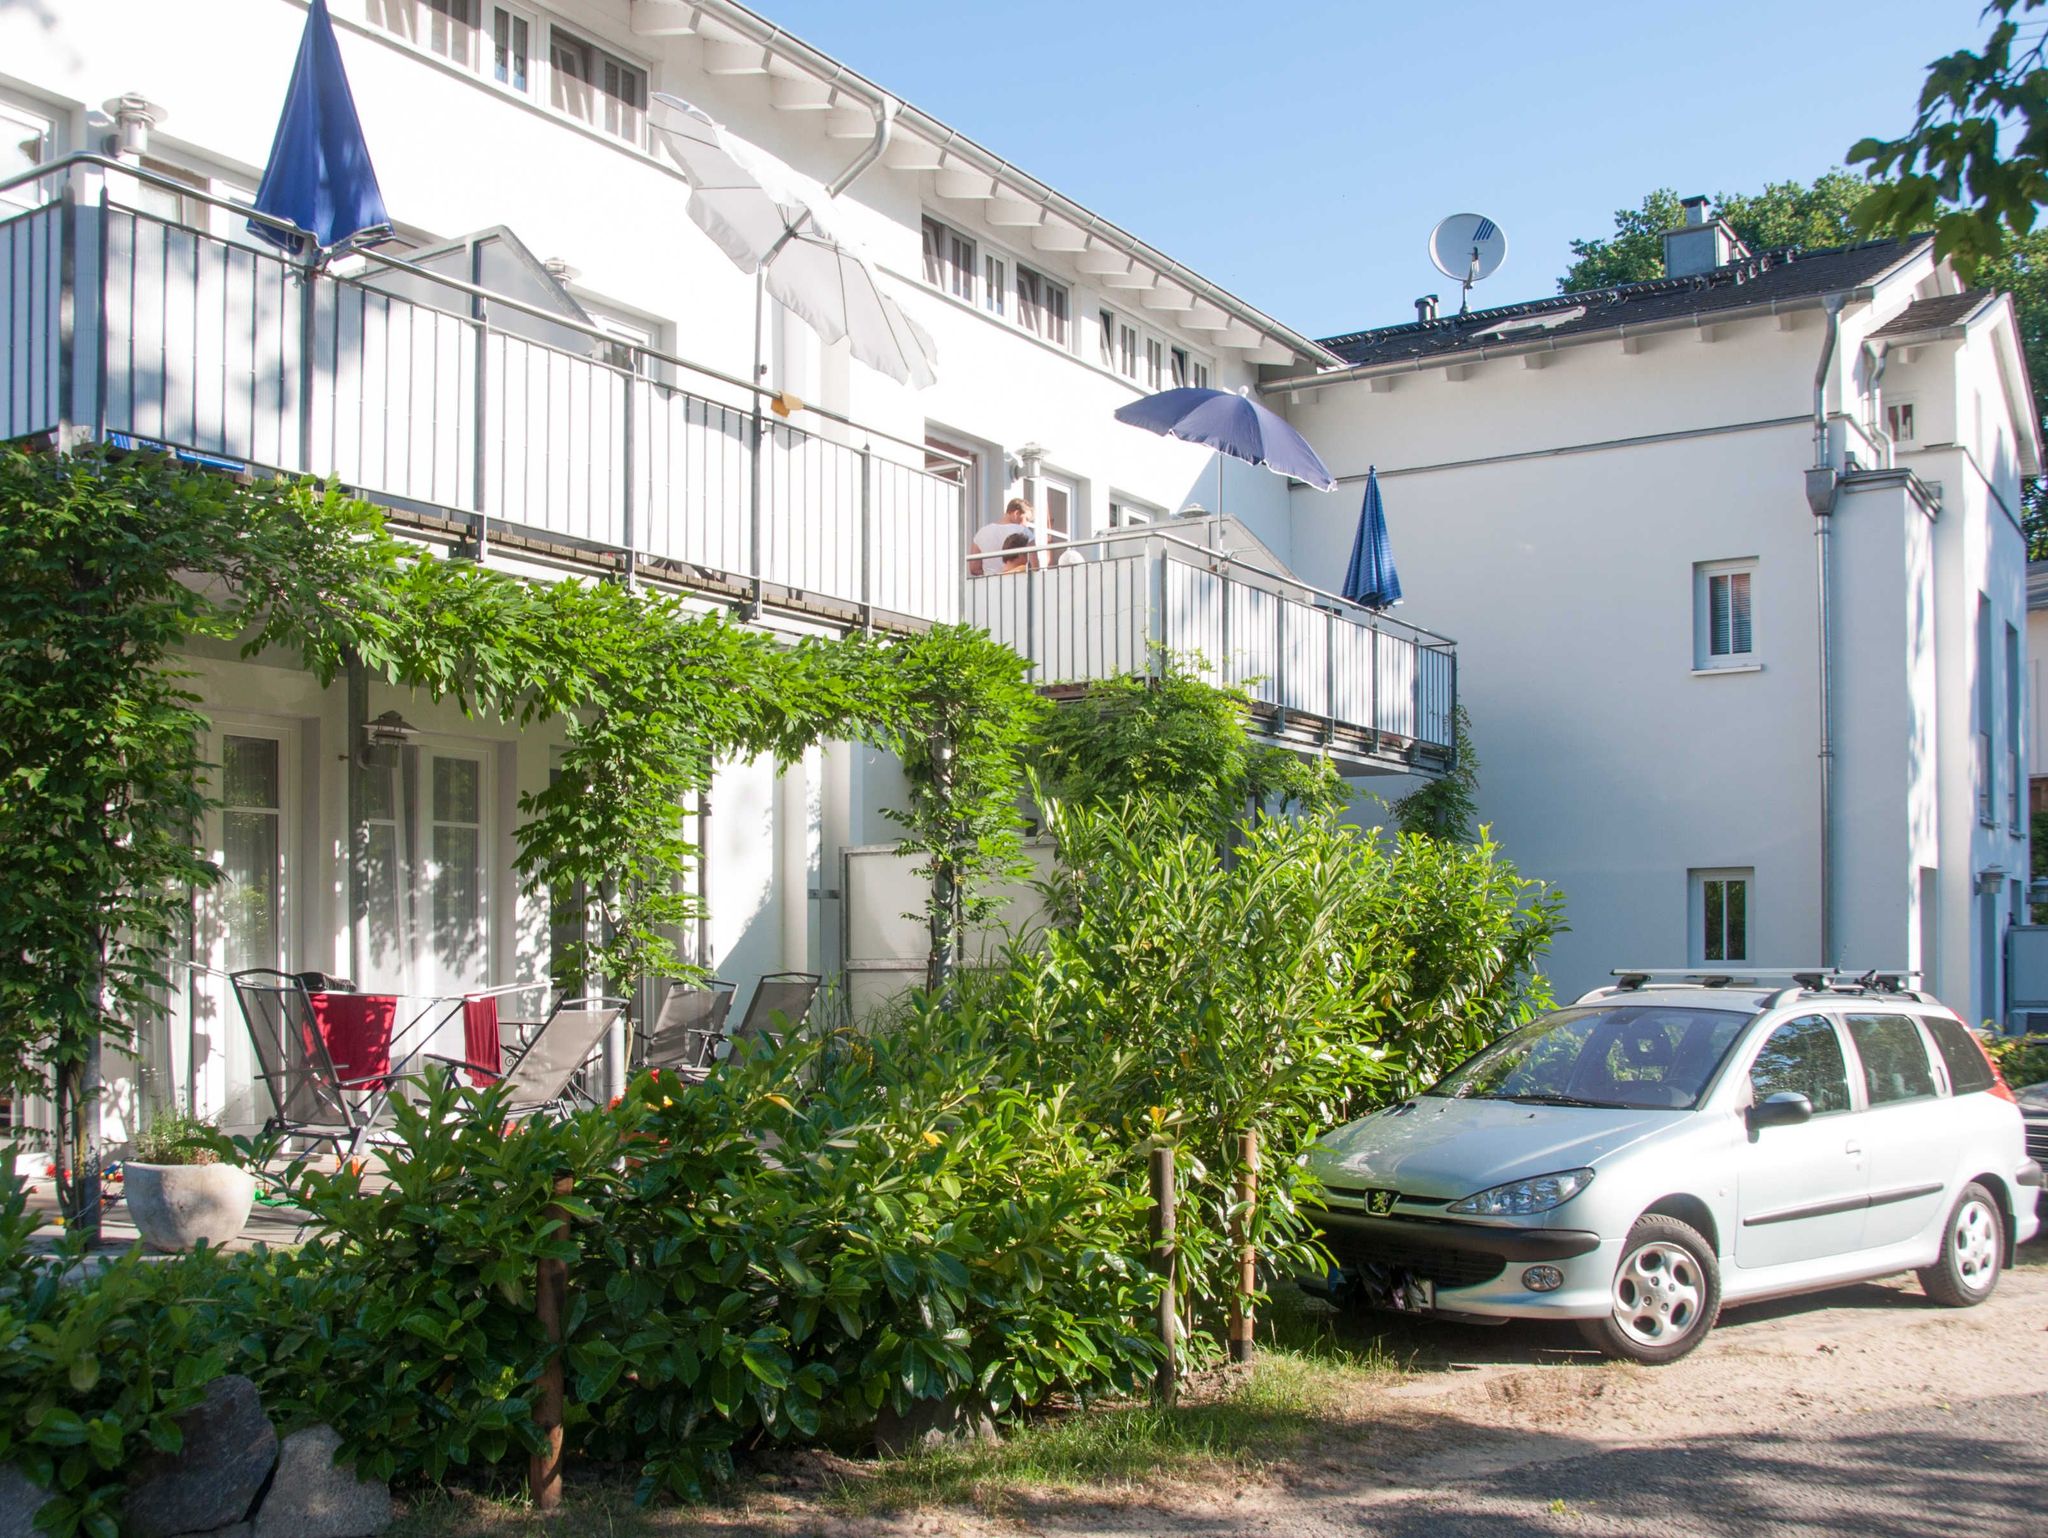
x=426, y=832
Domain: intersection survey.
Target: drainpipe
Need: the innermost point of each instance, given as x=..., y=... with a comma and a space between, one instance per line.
x=1821, y=484
x=885, y=111
x=1881, y=355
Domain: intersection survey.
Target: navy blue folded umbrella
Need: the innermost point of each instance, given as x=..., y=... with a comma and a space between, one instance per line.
x=1232, y=424
x=319, y=175
x=1370, y=579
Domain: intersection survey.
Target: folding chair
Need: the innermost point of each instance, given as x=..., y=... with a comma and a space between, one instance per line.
x=777, y=1010
x=686, y=1035
x=312, y=1100
x=539, y=1078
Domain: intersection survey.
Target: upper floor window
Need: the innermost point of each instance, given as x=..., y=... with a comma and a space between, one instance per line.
x=1185, y=371
x=444, y=27
x=1724, y=629
x=1898, y=421
x=1041, y=305
x=948, y=260
x=995, y=285
x=1987, y=776
x=512, y=49
x=598, y=87
x=27, y=138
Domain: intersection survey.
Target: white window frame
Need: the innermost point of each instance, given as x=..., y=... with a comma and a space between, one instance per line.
x=1124, y=513
x=488, y=47
x=995, y=282
x=606, y=116
x=1900, y=413
x=1054, y=303
x=1698, y=942
x=1705, y=575
x=21, y=121
x=952, y=259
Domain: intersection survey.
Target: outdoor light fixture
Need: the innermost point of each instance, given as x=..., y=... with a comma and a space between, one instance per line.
x=134, y=116
x=388, y=731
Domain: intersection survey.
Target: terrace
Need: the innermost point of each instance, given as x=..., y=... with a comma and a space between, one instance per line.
x=493, y=422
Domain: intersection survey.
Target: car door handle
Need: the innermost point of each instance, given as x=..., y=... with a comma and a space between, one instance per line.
x=1852, y=1147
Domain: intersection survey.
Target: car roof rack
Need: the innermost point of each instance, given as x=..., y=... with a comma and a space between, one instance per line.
x=1793, y=982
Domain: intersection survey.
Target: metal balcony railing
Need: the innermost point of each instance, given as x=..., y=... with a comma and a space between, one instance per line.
x=1320, y=671
x=121, y=325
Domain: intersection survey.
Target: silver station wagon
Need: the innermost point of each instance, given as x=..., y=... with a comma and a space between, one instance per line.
x=1661, y=1148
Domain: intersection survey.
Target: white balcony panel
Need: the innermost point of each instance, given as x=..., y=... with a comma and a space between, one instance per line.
x=692, y=488
x=1302, y=681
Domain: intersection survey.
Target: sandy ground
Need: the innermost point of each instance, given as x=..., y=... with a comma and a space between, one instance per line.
x=1505, y=1402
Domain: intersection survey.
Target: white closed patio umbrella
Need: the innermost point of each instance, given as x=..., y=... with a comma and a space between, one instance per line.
x=760, y=214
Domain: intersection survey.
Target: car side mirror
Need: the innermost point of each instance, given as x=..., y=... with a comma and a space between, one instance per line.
x=1787, y=1108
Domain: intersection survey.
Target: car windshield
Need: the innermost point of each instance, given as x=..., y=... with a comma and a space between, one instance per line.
x=1641, y=1056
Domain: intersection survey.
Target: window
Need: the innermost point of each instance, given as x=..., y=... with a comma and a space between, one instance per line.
x=1129, y=515
x=511, y=39
x=455, y=854
x=600, y=88
x=1041, y=305
x=444, y=27
x=948, y=260
x=1724, y=632
x=2012, y=726
x=1803, y=1057
x=1969, y=1071
x=1898, y=421
x=1895, y=1065
x=995, y=285
x=1155, y=362
x=252, y=851
x=1987, y=790
x=26, y=139
x=1105, y=338
x=1720, y=915
x=1987, y=955
x=1127, y=351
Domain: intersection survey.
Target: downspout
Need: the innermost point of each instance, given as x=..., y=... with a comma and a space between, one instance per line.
x=1881, y=355
x=885, y=128
x=1821, y=484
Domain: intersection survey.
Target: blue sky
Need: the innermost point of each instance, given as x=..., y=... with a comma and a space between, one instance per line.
x=1298, y=151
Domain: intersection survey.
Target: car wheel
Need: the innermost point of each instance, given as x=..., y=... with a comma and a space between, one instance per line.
x=1972, y=1251
x=1666, y=1294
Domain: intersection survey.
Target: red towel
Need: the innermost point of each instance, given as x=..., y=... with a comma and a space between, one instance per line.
x=480, y=1042
x=357, y=1030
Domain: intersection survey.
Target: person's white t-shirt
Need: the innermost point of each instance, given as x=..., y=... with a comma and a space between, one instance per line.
x=988, y=542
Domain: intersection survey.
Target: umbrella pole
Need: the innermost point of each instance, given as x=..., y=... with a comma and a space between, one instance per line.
x=754, y=472
x=1219, y=484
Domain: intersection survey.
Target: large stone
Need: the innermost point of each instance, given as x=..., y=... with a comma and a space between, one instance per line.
x=20, y=1499
x=315, y=1497
x=930, y=1424
x=230, y=1448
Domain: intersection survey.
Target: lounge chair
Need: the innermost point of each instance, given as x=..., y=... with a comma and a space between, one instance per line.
x=541, y=1077
x=312, y=1099
x=778, y=1008
x=687, y=1034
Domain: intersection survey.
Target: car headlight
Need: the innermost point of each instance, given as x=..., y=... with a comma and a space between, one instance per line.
x=1519, y=1198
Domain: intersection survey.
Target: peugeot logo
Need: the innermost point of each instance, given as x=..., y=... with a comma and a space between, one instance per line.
x=1380, y=1203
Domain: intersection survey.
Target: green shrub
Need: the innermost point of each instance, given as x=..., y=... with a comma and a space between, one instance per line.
x=94, y=1373
x=177, y=1136
x=2022, y=1059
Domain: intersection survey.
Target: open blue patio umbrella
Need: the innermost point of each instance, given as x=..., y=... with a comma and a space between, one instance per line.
x=319, y=175
x=1233, y=424
x=1370, y=579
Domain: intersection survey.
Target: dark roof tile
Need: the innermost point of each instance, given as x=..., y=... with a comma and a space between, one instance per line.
x=1756, y=280
x=1933, y=314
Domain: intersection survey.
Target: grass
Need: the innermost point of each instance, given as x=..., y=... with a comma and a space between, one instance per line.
x=1236, y=1421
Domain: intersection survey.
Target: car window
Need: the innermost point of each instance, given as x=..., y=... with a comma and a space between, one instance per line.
x=1644, y=1056
x=1803, y=1057
x=1969, y=1073
x=1895, y=1065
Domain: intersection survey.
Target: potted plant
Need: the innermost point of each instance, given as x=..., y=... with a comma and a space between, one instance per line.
x=178, y=1189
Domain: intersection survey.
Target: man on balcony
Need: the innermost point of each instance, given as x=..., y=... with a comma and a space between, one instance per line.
x=992, y=539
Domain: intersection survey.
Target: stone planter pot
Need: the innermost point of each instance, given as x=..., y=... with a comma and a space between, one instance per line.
x=177, y=1205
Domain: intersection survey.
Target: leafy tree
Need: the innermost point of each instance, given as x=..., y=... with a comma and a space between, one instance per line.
x=1815, y=214
x=1973, y=167
x=1447, y=807
x=1171, y=734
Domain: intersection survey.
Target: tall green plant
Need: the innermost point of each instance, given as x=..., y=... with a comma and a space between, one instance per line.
x=108, y=566
x=1448, y=806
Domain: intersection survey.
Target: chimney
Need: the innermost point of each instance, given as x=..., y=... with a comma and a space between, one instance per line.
x=1702, y=243
x=1425, y=309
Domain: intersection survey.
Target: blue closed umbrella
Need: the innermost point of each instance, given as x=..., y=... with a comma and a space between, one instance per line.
x=319, y=175
x=1232, y=424
x=1370, y=579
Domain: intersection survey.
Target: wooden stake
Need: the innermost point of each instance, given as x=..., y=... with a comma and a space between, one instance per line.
x=1166, y=1382
x=550, y=1304
x=1241, y=1315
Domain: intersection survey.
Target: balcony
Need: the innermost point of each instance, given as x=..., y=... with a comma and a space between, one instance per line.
x=483, y=420
x=1322, y=673
x=463, y=411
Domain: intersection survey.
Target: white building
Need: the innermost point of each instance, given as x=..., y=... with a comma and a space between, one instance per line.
x=577, y=401
x=1610, y=498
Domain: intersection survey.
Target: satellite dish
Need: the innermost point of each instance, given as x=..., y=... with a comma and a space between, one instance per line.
x=1467, y=248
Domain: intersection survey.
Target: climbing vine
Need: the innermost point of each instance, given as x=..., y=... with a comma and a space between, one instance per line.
x=111, y=565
